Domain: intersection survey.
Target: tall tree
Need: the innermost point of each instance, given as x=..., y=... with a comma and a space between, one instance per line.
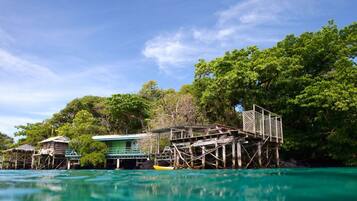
x=129, y=112
x=81, y=130
x=5, y=141
x=310, y=79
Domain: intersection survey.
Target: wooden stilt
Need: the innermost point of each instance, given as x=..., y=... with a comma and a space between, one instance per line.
x=204, y=157
x=68, y=164
x=15, y=160
x=53, y=162
x=32, y=161
x=175, y=158
x=118, y=163
x=260, y=154
x=224, y=156
x=217, y=156
x=234, y=154
x=239, y=154
x=277, y=156
x=191, y=156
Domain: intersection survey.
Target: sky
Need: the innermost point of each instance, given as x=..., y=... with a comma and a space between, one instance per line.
x=54, y=51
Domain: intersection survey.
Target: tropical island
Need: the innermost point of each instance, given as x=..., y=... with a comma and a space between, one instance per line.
x=310, y=80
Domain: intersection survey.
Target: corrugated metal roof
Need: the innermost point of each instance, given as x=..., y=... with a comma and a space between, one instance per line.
x=119, y=137
x=25, y=147
x=61, y=139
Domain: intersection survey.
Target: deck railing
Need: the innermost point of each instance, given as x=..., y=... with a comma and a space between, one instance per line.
x=264, y=123
x=124, y=151
x=111, y=151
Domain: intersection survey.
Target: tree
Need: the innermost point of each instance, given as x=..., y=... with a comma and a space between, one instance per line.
x=92, y=152
x=150, y=91
x=310, y=79
x=93, y=104
x=175, y=109
x=83, y=124
x=81, y=130
x=35, y=132
x=6, y=141
x=129, y=112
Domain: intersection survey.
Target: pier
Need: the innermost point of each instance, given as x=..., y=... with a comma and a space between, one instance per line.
x=255, y=145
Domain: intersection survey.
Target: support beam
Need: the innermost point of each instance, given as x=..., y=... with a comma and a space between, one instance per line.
x=191, y=155
x=277, y=156
x=234, y=154
x=118, y=163
x=224, y=156
x=217, y=156
x=203, y=157
x=15, y=160
x=68, y=164
x=175, y=156
x=260, y=154
x=239, y=154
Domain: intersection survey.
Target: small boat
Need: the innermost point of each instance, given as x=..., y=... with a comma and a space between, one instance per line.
x=158, y=167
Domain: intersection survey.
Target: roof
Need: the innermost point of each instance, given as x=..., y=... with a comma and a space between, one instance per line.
x=119, y=137
x=60, y=139
x=25, y=147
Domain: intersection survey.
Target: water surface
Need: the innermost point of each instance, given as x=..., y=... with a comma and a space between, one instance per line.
x=149, y=185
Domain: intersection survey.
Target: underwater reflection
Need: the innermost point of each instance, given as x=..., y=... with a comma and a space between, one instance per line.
x=269, y=184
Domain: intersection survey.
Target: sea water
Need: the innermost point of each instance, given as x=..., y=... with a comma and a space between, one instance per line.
x=150, y=185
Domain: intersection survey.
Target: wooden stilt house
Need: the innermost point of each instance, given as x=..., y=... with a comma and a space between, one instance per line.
x=51, y=154
x=17, y=158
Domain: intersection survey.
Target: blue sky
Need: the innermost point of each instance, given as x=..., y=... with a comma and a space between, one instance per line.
x=54, y=51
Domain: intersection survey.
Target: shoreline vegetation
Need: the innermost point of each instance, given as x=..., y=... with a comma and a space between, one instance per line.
x=311, y=80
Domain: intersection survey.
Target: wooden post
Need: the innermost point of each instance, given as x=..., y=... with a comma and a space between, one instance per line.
x=263, y=122
x=15, y=160
x=158, y=143
x=224, y=156
x=239, y=153
x=24, y=165
x=203, y=157
x=175, y=155
x=191, y=155
x=233, y=154
x=53, y=162
x=270, y=127
x=118, y=163
x=217, y=155
x=276, y=129
x=277, y=156
x=68, y=164
x=32, y=161
x=260, y=154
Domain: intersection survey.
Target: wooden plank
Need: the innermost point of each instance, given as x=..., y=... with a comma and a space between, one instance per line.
x=234, y=154
x=224, y=156
x=217, y=156
x=204, y=156
x=239, y=154
x=260, y=154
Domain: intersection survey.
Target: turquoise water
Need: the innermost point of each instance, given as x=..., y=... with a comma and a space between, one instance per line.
x=262, y=184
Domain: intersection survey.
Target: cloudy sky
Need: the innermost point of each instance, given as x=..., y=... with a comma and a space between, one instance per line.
x=54, y=51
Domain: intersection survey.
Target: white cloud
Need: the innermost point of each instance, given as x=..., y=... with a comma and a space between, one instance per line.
x=250, y=22
x=8, y=123
x=29, y=89
x=10, y=64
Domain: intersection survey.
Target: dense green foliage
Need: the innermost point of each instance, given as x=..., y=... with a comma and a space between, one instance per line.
x=81, y=130
x=310, y=79
x=128, y=112
x=5, y=141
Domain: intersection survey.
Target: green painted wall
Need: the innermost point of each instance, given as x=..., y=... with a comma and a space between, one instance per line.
x=121, y=144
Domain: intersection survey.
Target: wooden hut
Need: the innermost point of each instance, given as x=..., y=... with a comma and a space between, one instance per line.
x=123, y=151
x=51, y=154
x=17, y=158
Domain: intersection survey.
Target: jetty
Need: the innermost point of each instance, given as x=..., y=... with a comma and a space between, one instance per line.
x=254, y=144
